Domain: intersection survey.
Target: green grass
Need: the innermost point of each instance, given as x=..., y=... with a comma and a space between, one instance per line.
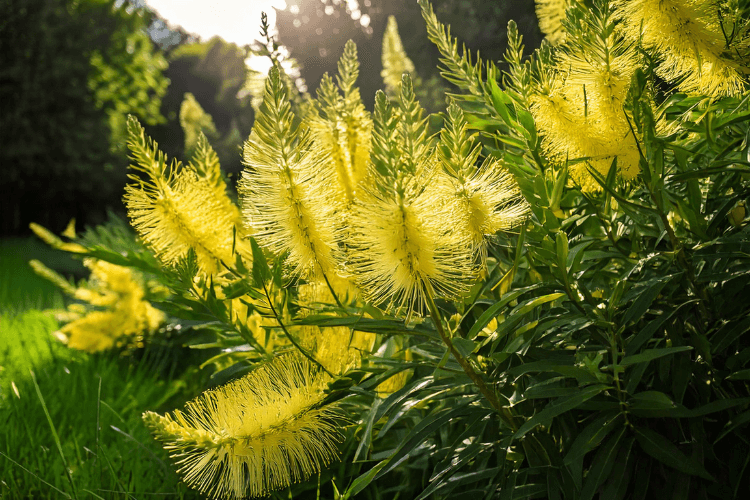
x=20, y=288
x=70, y=423
x=94, y=405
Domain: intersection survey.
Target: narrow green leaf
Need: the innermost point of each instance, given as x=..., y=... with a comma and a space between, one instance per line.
x=530, y=305
x=558, y=407
x=590, y=437
x=501, y=101
x=366, y=441
x=740, y=375
x=644, y=300
x=492, y=312
x=561, y=247
x=55, y=436
x=464, y=346
x=549, y=365
x=617, y=482
x=602, y=465
x=651, y=354
x=729, y=333
x=419, y=434
x=651, y=400
x=261, y=271
x=667, y=453
x=651, y=328
x=732, y=425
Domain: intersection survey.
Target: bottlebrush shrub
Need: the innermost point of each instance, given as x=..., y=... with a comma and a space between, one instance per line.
x=112, y=310
x=556, y=279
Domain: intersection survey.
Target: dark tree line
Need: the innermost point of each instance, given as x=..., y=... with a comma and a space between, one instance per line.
x=315, y=33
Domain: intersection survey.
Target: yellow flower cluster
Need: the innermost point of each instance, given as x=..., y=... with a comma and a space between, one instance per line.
x=356, y=208
x=550, y=14
x=120, y=315
x=257, y=434
x=581, y=86
x=690, y=38
x=578, y=103
x=177, y=209
x=338, y=349
x=394, y=59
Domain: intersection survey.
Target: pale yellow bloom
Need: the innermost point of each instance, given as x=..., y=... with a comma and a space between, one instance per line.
x=688, y=38
x=579, y=110
x=255, y=435
x=177, y=209
x=181, y=214
x=342, y=127
x=550, y=14
x=338, y=349
x=282, y=192
x=394, y=58
x=195, y=122
x=123, y=316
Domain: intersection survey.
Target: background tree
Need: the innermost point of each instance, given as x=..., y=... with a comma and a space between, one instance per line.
x=69, y=70
x=315, y=32
x=214, y=72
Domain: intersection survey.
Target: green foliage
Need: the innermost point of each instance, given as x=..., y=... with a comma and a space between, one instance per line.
x=603, y=349
x=71, y=73
x=92, y=403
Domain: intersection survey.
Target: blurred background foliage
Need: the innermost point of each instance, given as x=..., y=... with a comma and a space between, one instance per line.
x=71, y=71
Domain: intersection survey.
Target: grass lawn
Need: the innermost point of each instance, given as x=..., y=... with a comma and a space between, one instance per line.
x=70, y=423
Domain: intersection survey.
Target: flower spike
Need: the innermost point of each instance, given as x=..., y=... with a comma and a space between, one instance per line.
x=255, y=435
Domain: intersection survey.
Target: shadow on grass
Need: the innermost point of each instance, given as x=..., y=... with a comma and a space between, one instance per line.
x=71, y=428
x=70, y=422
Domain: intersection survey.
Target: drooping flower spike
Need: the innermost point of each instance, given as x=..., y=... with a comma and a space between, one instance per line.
x=255, y=435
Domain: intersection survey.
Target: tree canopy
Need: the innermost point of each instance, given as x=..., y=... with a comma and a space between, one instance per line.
x=69, y=72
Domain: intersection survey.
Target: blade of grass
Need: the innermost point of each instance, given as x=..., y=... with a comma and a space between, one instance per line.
x=54, y=435
x=114, y=476
x=140, y=445
x=98, y=428
x=39, y=478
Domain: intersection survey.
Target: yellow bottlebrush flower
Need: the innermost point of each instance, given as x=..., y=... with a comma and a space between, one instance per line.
x=255, y=435
x=176, y=209
x=404, y=244
x=486, y=199
x=123, y=317
x=598, y=82
x=282, y=188
x=550, y=14
x=91, y=333
x=342, y=125
x=195, y=122
x=52, y=240
x=338, y=349
x=205, y=162
x=689, y=39
x=578, y=104
x=183, y=214
x=395, y=60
